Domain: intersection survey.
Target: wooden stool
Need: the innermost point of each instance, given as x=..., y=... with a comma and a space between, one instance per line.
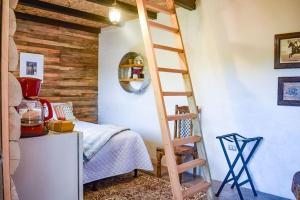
x=182, y=128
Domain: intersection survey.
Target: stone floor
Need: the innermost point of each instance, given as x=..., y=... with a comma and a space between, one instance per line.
x=227, y=193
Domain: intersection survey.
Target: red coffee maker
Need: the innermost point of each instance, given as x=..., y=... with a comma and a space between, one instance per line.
x=32, y=109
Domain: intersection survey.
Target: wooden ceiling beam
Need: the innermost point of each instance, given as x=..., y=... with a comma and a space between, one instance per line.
x=124, y=6
x=187, y=4
x=64, y=10
x=56, y=22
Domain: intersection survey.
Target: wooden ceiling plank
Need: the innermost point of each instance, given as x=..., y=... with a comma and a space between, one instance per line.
x=65, y=10
x=124, y=6
x=56, y=22
x=187, y=4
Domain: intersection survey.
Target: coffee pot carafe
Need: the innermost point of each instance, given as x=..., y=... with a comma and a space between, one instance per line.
x=33, y=109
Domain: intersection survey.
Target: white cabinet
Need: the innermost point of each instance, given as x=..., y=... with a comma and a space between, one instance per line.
x=50, y=168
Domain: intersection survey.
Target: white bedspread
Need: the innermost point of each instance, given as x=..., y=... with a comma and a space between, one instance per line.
x=123, y=153
x=95, y=138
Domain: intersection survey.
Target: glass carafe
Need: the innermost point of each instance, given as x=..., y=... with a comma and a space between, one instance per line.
x=33, y=112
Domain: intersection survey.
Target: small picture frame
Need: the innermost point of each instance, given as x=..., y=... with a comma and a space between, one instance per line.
x=287, y=50
x=289, y=91
x=32, y=65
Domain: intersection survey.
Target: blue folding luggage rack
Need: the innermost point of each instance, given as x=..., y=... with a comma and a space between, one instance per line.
x=240, y=143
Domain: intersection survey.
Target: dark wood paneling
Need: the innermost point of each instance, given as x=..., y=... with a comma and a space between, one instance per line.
x=187, y=4
x=71, y=64
x=65, y=10
x=124, y=6
x=56, y=22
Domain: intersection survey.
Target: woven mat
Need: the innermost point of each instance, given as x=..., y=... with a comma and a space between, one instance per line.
x=126, y=187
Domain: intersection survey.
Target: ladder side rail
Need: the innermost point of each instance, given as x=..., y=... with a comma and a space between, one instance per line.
x=178, y=36
x=191, y=99
x=166, y=136
x=184, y=65
x=197, y=131
x=196, y=127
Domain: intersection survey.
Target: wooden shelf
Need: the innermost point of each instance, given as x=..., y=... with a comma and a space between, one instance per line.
x=131, y=79
x=131, y=65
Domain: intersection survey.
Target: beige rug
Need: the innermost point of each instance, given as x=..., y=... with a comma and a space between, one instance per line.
x=126, y=187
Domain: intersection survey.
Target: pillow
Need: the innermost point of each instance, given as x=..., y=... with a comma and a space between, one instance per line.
x=54, y=113
x=64, y=111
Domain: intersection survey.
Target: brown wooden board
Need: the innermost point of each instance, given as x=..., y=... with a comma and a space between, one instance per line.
x=4, y=99
x=71, y=64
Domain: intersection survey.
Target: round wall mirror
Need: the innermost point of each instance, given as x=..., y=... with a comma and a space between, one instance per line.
x=133, y=73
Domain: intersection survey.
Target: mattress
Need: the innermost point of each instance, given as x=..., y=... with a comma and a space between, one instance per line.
x=123, y=153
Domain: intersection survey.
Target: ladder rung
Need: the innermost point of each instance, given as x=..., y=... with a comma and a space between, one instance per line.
x=158, y=8
x=162, y=69
x=190, y=165
x=188, y=94
x=163, y=27
x=186, y=140
x=158, y=46
x=182, y=116
x=199, y=187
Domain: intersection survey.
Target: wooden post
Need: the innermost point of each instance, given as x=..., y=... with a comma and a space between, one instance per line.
x=4, y=98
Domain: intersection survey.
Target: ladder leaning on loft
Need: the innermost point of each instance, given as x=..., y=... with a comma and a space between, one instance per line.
x=174, y=170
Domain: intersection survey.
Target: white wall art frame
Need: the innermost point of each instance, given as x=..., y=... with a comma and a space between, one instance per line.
x=32, y=65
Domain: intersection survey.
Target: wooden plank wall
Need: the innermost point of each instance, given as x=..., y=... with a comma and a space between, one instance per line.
x=71, y=64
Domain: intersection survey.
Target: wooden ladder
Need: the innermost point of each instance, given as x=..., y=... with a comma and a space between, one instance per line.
x=174, y=170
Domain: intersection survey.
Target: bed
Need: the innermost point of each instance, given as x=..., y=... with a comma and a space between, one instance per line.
x=123, y=153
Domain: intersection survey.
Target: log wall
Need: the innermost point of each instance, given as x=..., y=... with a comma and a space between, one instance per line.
x=71, y=64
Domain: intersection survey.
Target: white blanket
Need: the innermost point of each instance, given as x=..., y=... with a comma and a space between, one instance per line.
x=123, y=153
x=95, y=138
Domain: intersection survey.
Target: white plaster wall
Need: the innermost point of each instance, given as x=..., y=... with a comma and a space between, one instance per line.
x=230, y=52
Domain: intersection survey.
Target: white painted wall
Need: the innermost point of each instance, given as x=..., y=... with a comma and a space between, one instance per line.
x=230, y=51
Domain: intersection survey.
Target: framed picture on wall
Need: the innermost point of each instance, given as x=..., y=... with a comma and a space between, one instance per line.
x=287, y=51
x=289, y=91
x=32, y=65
